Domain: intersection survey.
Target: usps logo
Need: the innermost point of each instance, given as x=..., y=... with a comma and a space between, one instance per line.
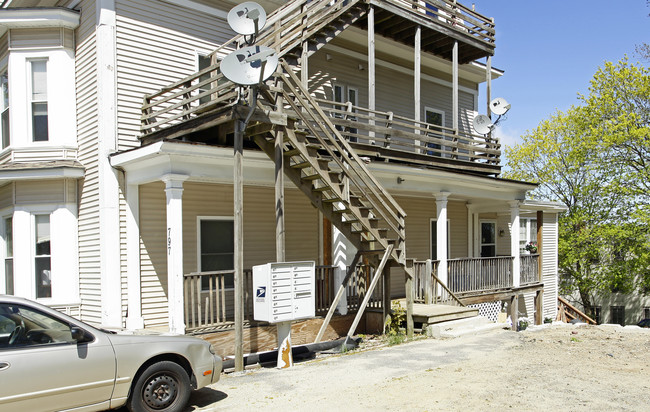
x=261, y=293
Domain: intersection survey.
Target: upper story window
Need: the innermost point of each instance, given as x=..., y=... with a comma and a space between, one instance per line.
x=38, y=71
x=4, y=127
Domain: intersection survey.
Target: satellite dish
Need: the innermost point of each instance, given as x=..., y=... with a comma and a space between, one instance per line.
x=244, y=66
x=247, y=18
x=499, y=106
x=482, y=124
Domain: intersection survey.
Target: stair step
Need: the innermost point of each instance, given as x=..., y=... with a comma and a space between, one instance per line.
x=321, y=189
x=332, y=200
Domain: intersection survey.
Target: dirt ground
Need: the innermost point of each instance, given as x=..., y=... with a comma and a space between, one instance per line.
x=555, y=367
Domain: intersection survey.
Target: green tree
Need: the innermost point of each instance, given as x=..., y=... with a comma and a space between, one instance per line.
x=595, y=159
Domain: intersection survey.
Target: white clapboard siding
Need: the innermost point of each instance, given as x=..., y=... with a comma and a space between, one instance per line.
x=156, y=45
x=216, y=200
x=549, y=263
x=4, y=45
x=89, y=250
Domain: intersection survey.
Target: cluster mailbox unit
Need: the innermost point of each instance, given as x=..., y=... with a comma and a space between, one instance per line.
x=284, y=291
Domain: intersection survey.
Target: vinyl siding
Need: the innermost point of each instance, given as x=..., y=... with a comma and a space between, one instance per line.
x=216, y=200
x=156, y=45
x=43, y=191
x=549, y=264
x=53, y=37
x=394, y=89
x=89, y=250
x=419, y=212
x=7, y=195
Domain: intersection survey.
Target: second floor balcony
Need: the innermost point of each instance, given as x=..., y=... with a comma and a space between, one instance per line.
x=202, y=106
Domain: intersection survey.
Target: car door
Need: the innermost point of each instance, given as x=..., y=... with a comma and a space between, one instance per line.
x=43, y=368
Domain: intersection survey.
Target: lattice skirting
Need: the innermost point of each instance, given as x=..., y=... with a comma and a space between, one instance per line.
x=490, y=310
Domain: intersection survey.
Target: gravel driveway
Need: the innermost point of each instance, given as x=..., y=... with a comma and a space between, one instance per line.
x=558, y=367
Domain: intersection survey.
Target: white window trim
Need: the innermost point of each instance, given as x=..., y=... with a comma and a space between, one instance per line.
x=30, y=100
x=3, y=251
x=431, y=221
x=199, y=219
x=496, y=236
x=432, y=110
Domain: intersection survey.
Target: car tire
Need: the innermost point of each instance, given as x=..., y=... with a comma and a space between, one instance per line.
x=163, y=386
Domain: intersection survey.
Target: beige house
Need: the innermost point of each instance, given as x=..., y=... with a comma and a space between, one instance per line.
x=371, y=108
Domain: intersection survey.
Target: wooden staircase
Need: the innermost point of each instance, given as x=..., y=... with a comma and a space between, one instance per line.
x=322, y=164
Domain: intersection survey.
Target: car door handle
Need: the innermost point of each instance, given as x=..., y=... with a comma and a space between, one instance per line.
x=4, y=365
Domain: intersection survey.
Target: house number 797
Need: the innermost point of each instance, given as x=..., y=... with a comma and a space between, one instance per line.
x=169, y=240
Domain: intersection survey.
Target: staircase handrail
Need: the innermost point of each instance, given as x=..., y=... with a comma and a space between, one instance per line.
x=342, y=146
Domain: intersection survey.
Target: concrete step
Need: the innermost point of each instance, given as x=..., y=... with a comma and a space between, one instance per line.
x=461, y=327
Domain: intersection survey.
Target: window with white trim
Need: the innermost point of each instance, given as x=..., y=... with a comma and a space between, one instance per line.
x=42, y=256
x=346, y=94
x=488, y=238
x=38, y=99
x=527, y=232
x=4, y=116
x=434, y=117
x=216, y=247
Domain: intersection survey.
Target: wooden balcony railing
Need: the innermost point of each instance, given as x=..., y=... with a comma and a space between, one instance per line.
x=404, y=135
x=209, y=296
x=529, y=269
x=427, y=287
x=480, y=274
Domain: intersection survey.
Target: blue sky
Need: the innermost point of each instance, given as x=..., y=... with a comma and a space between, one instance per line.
x=551, y=49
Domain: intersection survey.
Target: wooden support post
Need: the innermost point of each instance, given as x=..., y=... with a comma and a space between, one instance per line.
x=409, y=303
x=371, y=288
x=338, y=296
x=454, y=80
x=429, y=293
x=238, y=187
x=417, y=57
x=386, y=305
x=540, y=244
x=514, y=311
x=371, y=69
x=539, y=307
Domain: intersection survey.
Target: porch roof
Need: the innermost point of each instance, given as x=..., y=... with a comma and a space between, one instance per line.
x=208, y=163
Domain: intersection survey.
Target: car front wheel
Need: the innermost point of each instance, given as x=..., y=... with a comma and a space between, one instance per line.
x=163, y=386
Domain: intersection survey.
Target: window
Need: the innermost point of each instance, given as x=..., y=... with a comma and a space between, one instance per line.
x=527, y=232
x=217, y=247
x=434, y=239
x=434, y=117
x=595, y=310
x=42, y=257
x=204, y=62
x=488, y=239
x=346, y=94
x=4, y=81
x=618, y=315
x=39, y=100
x=23, y=327
x=9, y=256
x=646, y=313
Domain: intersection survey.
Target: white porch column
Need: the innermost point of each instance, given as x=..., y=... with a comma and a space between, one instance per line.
x=134, y=319
x=470, y=230
x=514, y=242
x=174, y=192
x=441, y=234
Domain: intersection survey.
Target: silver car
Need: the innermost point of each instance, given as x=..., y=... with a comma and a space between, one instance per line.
x=52, y=362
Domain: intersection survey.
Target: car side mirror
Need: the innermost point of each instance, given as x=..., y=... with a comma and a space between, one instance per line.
x=80, y=335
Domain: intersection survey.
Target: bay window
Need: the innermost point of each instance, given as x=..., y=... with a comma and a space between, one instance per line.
x=42, y=256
